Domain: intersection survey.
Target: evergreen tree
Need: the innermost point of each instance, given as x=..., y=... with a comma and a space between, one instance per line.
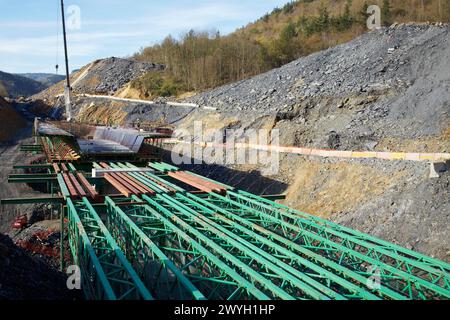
x=363, y=13
x=345, y=21
x=386, y=12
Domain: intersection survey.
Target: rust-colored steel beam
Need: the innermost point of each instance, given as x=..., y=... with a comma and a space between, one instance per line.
x=64, y=167
x=125, y=181
x=132, y=183
x=142, y=187
x=214, y=186
x=168, y=188
x=56, y=168
x=196, y=182
x=118, y=185
x=73, y=192
x=92, y=193
x=77, y=185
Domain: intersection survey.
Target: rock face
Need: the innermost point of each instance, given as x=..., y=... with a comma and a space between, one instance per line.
x=101, y=77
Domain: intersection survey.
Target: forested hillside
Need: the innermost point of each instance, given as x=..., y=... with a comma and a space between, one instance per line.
x=201, y=60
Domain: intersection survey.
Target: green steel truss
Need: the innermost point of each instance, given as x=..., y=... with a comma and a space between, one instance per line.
x=354, y=255
x=160, y=274
x=107, y=274
x=210, y=274
x=186, y=246
x=413, y=279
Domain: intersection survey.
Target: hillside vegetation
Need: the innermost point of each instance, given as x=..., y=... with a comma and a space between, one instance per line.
x=203, y=60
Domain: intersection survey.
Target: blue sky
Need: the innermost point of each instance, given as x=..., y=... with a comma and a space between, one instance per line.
x=28, y=28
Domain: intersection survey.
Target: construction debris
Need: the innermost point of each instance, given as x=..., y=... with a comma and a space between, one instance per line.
x=24, y=277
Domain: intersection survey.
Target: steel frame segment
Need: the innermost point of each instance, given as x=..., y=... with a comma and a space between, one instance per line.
x=95, y=284
x=123, y=189
x=301, y=251
x=223, y=250
x=251, y=248
x=314, y=269
x=213, y=271
x=438, y=278
x=336, y=267
x=119, y=272
x=342, y=252
x=441, y=265
x=145, y=256
x=62, y=186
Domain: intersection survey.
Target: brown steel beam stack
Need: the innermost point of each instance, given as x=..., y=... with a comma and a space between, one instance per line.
x=126, y=184
x=197, y=182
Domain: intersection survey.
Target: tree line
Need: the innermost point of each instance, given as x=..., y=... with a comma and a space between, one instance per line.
x=202, y=60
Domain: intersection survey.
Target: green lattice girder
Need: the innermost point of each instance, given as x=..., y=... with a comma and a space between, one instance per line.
x=94, y=282
x=297, y=283
x=397, y=264
x=161, y=276
x=346, y=249
x=121, y=276
x=212, y=276
x=321, y=270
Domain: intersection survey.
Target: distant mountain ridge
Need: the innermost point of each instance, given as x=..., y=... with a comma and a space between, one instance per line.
x=15, y=86
x=47, y=79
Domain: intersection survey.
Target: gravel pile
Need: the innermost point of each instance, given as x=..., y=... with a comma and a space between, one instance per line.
x=109, y=75
x=390, y=82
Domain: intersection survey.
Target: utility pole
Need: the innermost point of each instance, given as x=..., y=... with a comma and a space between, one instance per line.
x=67, y=89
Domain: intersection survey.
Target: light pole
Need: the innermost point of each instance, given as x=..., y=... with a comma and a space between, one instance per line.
x=67, y=89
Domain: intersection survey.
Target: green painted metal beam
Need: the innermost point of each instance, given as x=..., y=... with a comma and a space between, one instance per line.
x=55, y=200
x=33, y=166
x=294, y=281
x=32, y=180
x=321, y=240
x=95, y=284
x=322, y=272
x=266, y=285
x=31, y=176
x=212, y=254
